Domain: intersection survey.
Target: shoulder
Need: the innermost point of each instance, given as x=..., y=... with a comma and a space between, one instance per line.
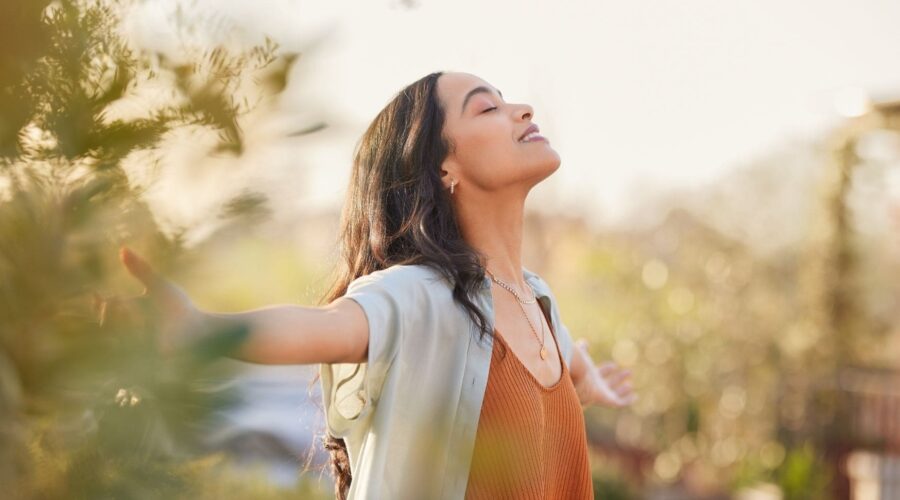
x=541, y=288
x=536, y=281
x=405, y=277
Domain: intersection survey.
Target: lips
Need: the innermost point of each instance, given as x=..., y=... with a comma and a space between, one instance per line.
x=531, y=128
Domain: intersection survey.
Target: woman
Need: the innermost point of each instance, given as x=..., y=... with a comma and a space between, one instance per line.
x=423, y=397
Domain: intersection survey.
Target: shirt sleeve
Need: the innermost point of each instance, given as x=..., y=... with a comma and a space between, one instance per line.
x=351, y=390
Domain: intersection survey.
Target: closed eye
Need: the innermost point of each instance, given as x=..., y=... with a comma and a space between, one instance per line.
x=489, y=109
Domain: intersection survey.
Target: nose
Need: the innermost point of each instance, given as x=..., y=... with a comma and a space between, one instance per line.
x=527, y=111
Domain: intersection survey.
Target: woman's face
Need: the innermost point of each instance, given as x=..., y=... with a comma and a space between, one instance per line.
x=486, y=130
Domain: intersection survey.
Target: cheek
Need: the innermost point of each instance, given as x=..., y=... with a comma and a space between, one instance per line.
x=487, y=156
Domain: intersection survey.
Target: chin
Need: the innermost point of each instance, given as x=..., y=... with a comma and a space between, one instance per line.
x=553, y=165
x=556, y=164
x=547, y=168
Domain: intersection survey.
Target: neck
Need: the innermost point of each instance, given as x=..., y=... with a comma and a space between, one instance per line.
x=493, y=225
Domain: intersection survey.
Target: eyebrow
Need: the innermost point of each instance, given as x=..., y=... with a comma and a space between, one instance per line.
x=477, y=90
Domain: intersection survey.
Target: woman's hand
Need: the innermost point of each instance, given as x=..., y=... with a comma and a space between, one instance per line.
x=173, y=310
x=607, y=384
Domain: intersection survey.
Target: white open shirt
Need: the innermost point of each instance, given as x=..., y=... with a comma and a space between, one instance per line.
x=409, y=415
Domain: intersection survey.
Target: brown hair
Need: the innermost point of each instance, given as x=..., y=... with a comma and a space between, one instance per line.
x=397, y=211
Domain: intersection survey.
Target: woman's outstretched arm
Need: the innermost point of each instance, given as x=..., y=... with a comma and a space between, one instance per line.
x=278, y=334
x=292, y=334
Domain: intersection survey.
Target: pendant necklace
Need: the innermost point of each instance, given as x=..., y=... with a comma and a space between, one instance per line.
x=519, y=300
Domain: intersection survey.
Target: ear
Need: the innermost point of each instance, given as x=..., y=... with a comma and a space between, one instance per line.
x=449, y=171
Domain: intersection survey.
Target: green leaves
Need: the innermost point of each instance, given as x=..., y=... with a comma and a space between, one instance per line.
x=91, y=410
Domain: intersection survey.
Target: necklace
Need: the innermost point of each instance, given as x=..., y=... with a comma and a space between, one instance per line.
x=511, y=289
x=506, y=286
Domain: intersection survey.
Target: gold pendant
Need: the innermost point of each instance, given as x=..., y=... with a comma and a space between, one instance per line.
x=543, y=353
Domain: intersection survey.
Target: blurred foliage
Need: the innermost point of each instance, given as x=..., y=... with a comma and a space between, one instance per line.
x=735, y=350
x=609, y=482
x=91, y=409
x=803, y=475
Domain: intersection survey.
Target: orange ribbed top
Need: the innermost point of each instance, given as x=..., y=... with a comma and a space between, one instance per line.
x=531, y=441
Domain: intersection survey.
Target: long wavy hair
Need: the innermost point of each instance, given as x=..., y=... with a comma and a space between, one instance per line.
x=397, y=211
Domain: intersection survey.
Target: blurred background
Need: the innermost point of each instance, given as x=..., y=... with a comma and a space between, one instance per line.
x=725, y=222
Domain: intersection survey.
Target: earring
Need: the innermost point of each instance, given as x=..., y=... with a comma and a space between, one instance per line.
x=451, y=186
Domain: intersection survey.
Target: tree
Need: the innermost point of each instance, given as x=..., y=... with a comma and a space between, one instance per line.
x=90, y=409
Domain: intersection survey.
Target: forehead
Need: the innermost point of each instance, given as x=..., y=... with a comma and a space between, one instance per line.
x=452, y=87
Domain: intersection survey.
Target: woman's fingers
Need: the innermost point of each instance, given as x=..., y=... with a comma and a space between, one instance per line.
x=613, y=373
x=615, y=384
x=629, y=399
x=618, y=380
x=607, y=368
x=117, y=310
x=139, y=268
x=618, y=376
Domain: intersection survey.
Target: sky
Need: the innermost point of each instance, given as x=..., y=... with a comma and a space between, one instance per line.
x=637, y=97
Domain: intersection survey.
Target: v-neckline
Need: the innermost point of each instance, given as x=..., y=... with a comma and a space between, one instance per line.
x=562, y=363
